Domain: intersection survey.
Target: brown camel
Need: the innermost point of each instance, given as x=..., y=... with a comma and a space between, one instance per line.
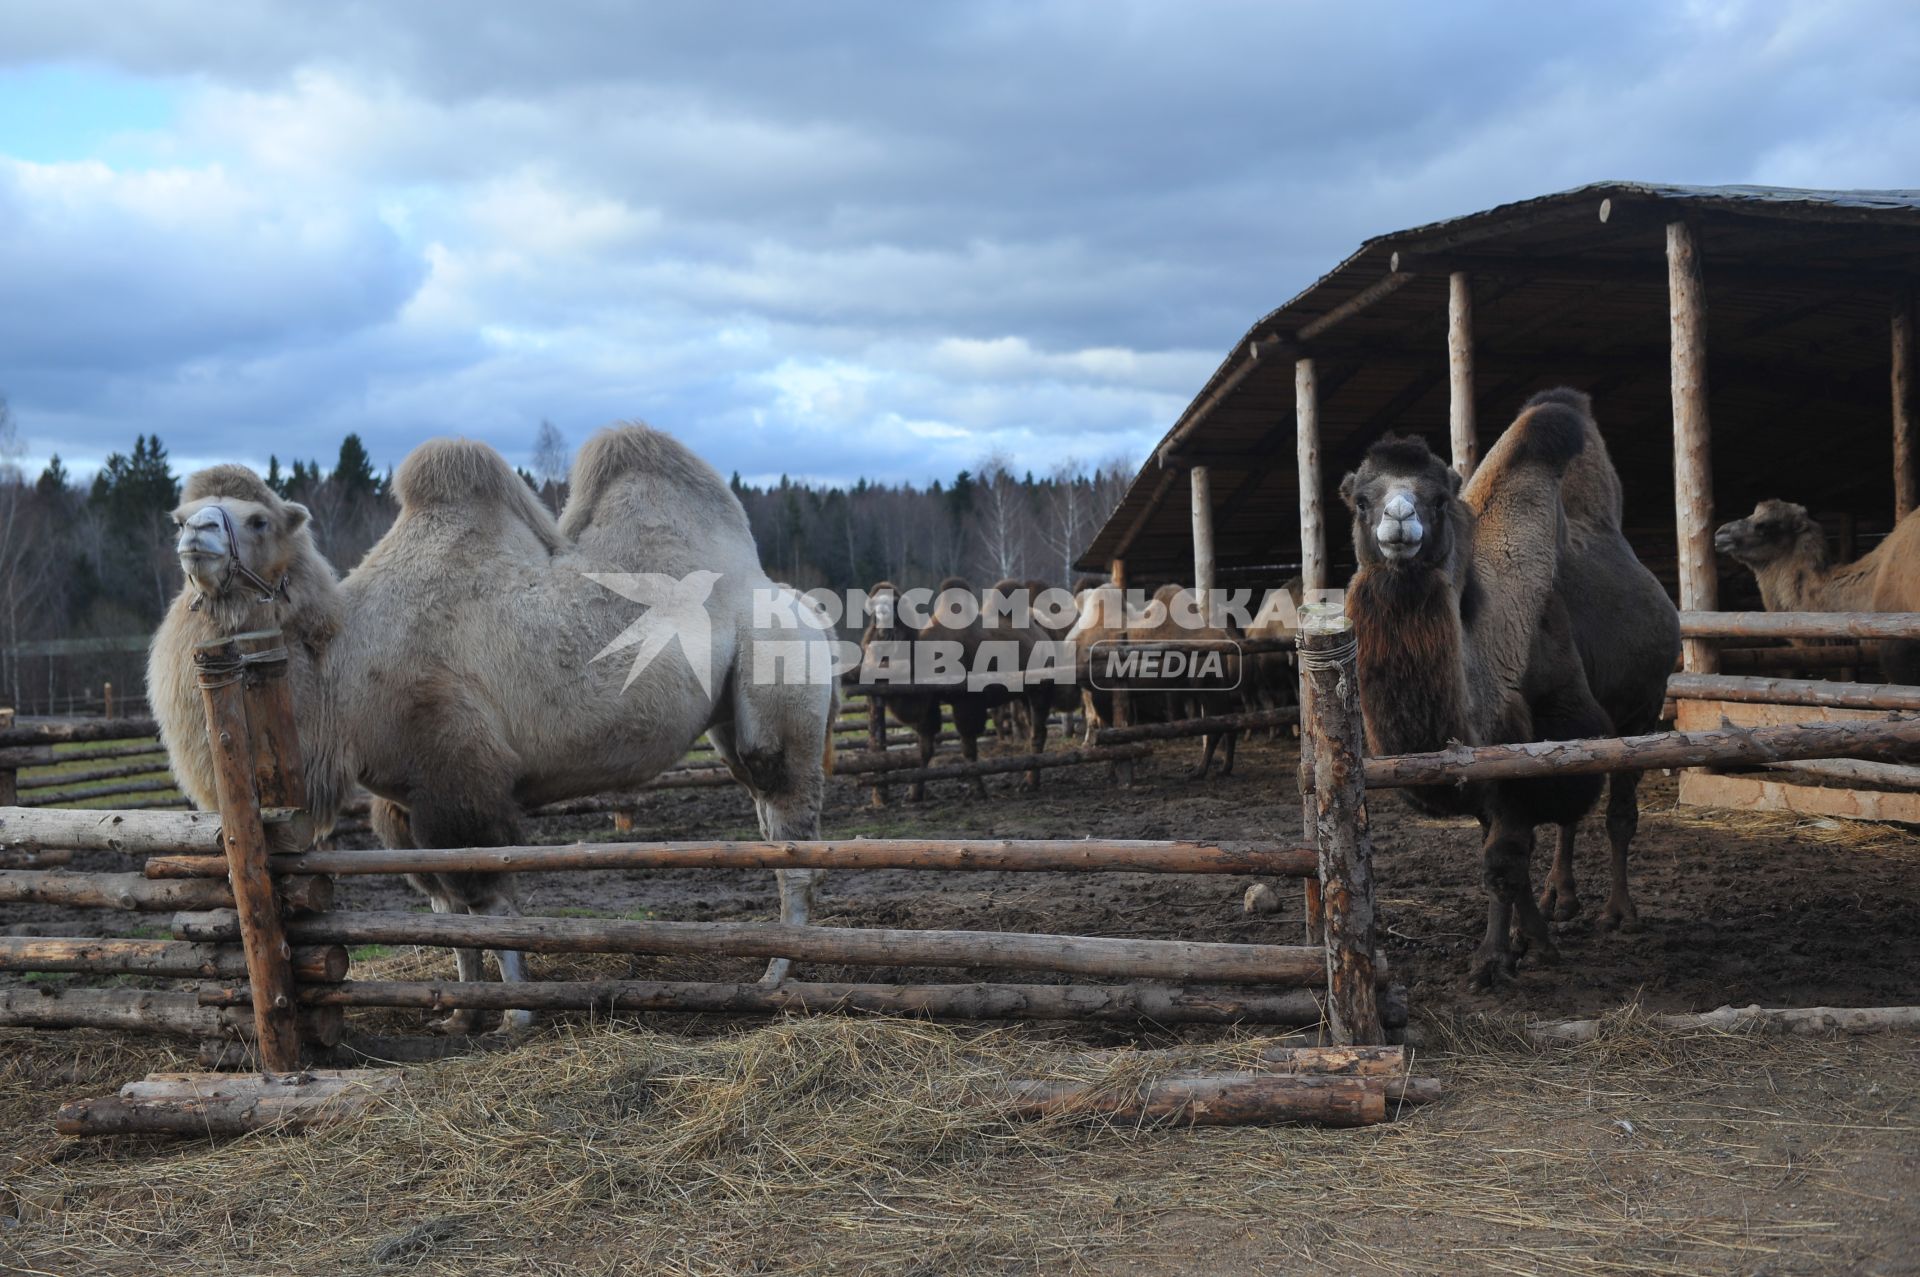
x=1171, y=614
x=457, y=672
x=1511, y=611
x=1787, y=553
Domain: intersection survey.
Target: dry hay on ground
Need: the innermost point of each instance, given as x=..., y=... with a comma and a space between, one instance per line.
x=838, y=1145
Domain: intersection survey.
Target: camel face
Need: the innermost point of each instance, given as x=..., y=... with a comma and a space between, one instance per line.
x=1399, y=499
x=221, y=538
x=1771, y=532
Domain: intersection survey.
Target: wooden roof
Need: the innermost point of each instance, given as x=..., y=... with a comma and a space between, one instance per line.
x=1568, y=289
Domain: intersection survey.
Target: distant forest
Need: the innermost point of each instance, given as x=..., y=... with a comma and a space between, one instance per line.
x=93, y=558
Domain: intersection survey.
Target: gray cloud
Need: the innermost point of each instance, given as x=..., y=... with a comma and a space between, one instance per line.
x=870, y=238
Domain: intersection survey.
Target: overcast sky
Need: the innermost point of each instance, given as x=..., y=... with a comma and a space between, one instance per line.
x=824, y=239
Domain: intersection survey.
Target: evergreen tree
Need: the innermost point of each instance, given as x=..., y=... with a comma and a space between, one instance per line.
x=353, y=472
x=275, y=479
x=54, y=479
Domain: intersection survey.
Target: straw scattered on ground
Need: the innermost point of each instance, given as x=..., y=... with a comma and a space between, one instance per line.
x=838, y=1145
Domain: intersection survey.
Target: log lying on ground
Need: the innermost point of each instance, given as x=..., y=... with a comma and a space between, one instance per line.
x=1226, y=1099
x=1725, y=746
x=58, y=731
x=170, y=1012
x=207, y=1104
x=66, y=780
x=179, y=958
x=1761, y=660
x=1248, y=721
x=1732, y=1019
x=998, y=855
x=299, y=893
x=1179, y=960
x=1800, y=625
x=1132, y=1003
x=1793, y=691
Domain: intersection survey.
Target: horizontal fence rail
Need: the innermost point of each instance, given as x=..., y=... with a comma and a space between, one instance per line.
x=1722, y=746
x=1177, y=960
x=1793, y=691
x=1002, y=855
x=1800, y=625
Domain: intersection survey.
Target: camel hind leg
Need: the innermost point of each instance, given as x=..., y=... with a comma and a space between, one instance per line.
x=451, y=822
x=1560, y=899
x=1623, y=821
x=969, y=721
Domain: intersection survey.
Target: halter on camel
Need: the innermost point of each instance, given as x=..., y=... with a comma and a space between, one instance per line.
x=268, y=593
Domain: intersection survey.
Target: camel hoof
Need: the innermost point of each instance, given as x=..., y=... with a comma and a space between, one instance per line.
x=515, y=1022
x=1617, y=917
x=1559, y=906
x=1490, y=971
x=455, y=1024
x=776, y=973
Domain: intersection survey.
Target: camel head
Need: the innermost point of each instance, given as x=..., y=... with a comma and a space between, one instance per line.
x=236, y=536
x=882, y=606
x=1774, y=531
x=1405, y=503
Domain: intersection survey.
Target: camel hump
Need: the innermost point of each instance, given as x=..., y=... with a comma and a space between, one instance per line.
x=233, y=482
x=1550, y=431
x=650, y=467
x=467, y=477
x=1566, y=396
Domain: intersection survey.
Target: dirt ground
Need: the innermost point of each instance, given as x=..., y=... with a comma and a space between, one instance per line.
x=1646, y=1152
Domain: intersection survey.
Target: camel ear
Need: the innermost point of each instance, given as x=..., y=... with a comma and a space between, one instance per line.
x=297, y=516
x=1349, y=486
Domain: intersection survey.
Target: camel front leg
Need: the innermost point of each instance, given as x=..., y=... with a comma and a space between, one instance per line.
x=513, y=966
x=1623, y=820
x=1504, y=874
x=471, y=967
x=1559, y=900
x=795, y=818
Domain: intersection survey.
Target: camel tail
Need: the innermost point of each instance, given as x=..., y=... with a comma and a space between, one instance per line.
x=465, y=474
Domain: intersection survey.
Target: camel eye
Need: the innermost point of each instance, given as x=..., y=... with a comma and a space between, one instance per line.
x=258, y=523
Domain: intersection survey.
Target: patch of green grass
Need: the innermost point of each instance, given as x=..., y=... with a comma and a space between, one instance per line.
x=370, y=952
x=45, y=977
x=151, y=932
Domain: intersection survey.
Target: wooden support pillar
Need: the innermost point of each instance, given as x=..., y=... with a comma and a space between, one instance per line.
x=106, y=700
x=1906, y=435
x=1202, y=483
x=222, y=669
x=1313, y=536
x=1460, y=421
x=1692, y=446
x=1331, y=720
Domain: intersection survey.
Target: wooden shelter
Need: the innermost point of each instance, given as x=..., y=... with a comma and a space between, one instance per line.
x=1785, y=317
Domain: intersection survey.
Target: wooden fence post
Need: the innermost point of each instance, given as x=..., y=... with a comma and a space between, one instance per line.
x=1331, y=719
x=1313, y=534
x=1310, y=891
x=1692, y=442
x=222, y=671
x=1906, y=435
x=1460, y=418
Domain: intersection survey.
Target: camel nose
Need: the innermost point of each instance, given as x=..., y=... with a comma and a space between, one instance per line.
x=1399, y=507
x=1399, y=532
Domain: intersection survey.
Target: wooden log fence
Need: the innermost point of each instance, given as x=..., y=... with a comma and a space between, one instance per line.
x=1251, y=720
x=251, y=916
x=1800, y=625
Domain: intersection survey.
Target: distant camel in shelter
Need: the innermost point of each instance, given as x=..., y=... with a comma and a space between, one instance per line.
x=1787, y=553
x=1511, y=611
x=457, y=673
